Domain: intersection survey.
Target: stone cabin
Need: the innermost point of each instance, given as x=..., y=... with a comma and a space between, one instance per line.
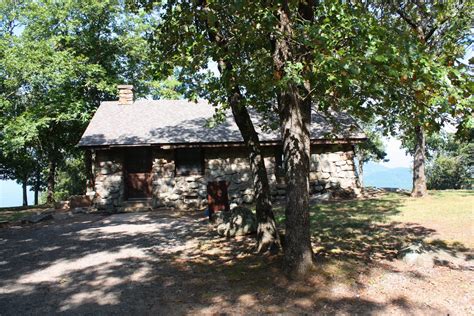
x=162, y=153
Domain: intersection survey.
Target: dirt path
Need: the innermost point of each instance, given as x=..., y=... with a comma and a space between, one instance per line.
x=163, y=263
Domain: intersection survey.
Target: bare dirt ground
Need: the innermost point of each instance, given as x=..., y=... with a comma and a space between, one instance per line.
x=165, y=263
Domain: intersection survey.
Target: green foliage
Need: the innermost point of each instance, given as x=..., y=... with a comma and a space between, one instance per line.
x=451, y=165
x=58, y=60
x=166, y=89
x=426, y=84
x=373, y=149
x=71, y=178
x=403, y=82
x=447, y=172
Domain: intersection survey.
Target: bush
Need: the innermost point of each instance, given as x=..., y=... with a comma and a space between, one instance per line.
x=447, y=172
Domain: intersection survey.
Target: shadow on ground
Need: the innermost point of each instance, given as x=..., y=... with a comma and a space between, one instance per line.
x=172, y=264
x=362, y=230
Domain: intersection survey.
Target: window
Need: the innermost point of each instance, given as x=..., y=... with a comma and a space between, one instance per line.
x=189, y=161
x=138, y=160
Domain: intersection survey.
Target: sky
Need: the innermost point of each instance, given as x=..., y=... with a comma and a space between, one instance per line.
x=11, y=194
x=396, y=155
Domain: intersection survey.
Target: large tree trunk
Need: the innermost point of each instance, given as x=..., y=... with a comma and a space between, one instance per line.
x=419, y=177
x=295, y=119
x=268, y=238
x=51, y=182
x=25, y=191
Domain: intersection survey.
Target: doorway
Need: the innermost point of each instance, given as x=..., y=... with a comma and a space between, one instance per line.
x=138, y=175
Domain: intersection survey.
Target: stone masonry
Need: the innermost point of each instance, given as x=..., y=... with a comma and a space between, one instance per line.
x=332, y=169
x=109, y=184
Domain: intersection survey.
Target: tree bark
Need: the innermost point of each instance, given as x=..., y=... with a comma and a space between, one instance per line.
x=25, y=192
x=296, y=152
x=419, y=177
x=37, y=186
x=295, y=118
x=268, y=238
x=361, y=173
x=51, y=182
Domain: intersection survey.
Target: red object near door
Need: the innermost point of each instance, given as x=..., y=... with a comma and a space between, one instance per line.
x=217, y=196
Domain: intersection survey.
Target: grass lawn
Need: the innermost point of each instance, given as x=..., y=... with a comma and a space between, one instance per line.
x=450, y=213
x=377, y=228
x=12, y=214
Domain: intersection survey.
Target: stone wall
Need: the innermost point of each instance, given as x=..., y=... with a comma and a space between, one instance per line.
x=109, y=184
x=176, y=191
x=332, y=169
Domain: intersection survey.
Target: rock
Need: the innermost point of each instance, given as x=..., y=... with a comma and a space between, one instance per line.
x=173, y=197
x=333, y=157
x=335, y=184
x=79, y=210
x=318, y=188
x=61, y=205
x=36, y=218
x=237, y=222
x=247, y=198
x=238, y=200
x=50, y=210
x=191, y=203
x=281, y=186
x=324, y=196
x=80, y=201
x=325, y=175
x=417, y=255
x=340, y=162
x=191, y=195
x=90, y=195
x=233, y=205
x=193, y=185
x=248, y=191
x=61, y=216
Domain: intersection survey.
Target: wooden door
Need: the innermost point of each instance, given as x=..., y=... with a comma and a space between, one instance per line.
x=138, y=165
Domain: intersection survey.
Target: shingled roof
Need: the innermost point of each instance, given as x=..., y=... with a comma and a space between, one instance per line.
x=159, y=122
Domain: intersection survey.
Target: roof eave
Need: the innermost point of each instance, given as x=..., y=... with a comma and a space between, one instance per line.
x=219, y=144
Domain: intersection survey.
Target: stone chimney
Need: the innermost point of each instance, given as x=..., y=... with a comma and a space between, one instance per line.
x=125, y=92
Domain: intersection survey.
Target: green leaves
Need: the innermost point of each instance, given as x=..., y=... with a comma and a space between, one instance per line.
x=57, y=63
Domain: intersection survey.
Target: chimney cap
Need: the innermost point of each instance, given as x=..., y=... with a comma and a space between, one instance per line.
x=125, y=86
